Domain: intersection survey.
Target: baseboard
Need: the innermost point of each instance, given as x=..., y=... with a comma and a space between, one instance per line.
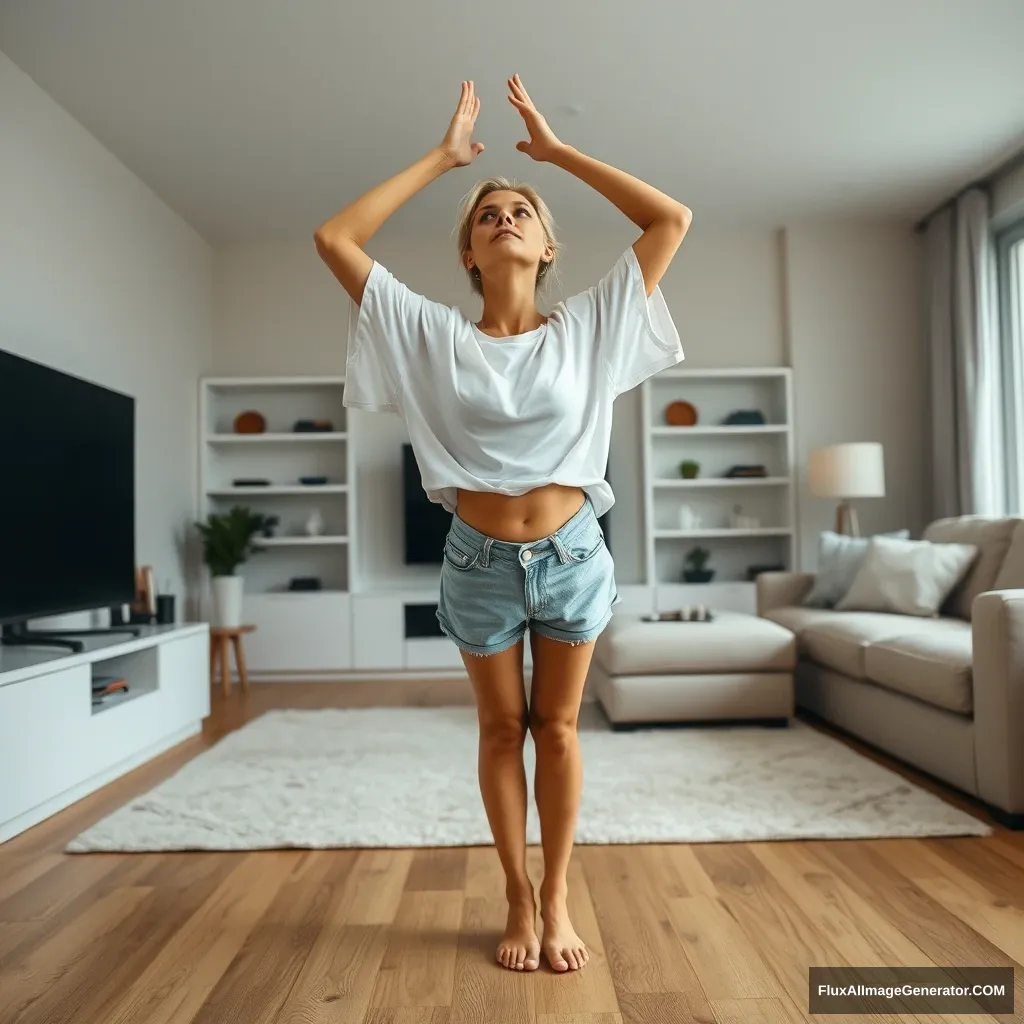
x=1014, y=822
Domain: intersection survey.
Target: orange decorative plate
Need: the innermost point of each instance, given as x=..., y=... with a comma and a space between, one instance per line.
x=680, y=414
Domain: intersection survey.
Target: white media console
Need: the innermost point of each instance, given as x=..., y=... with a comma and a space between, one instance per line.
x=56, y=747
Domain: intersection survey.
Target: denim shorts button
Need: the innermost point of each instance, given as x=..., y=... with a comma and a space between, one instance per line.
x=527, y=555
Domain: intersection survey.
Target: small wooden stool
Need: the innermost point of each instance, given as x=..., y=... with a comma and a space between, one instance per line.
x=220, y=638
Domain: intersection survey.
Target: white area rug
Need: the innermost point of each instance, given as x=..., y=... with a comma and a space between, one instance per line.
x=406, y=777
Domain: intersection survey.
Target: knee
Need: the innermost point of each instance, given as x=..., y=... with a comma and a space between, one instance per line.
x=500, y=734
x=555, y=735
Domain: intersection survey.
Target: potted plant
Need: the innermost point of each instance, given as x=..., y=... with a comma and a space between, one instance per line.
x=689, y=468
x=697, y=559
x=227, y=544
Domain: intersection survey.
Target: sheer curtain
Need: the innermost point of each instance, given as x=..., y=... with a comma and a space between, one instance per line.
x=966, y=364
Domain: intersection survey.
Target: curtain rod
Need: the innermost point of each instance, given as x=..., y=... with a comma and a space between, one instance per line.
x=1004, y=167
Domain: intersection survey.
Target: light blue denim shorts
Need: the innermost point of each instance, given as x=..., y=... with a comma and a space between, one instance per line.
x=561, y=586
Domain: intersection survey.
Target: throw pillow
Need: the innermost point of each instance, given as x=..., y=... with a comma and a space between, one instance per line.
x=907, y=577
x=839, y=558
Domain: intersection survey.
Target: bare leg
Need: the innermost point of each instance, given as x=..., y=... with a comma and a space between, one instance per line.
x=559, y=672
x=501, y=709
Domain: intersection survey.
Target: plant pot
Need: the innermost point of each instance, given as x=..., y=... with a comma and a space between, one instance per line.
x=227, y=601
x=689, y=472
x=698, y=575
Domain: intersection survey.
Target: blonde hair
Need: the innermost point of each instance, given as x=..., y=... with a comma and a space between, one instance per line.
x=464, y=224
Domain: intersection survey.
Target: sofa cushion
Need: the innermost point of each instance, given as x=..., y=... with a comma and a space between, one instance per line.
x=908, y=577
x=840, y=641
x=839, y=558
x=934, y=666
x=731, y=642
x=796, y=619
x=992, y=538
x=1011, y=572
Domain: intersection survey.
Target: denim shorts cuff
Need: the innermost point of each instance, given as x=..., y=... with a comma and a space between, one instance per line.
x=474, y=648
x=566, y=636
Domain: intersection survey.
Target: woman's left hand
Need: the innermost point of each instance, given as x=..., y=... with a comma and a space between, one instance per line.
x=543, y=142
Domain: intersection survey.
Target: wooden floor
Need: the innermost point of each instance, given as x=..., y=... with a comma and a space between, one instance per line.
x=706, y=932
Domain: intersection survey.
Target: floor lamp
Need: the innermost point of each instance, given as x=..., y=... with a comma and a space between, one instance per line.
x=845, y=471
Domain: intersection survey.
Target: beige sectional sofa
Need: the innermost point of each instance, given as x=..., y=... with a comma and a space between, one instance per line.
x=943, y=693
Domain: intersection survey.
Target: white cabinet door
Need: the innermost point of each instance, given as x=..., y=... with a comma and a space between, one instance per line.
x=378, y=631
x=298, y=632
x=44, y=738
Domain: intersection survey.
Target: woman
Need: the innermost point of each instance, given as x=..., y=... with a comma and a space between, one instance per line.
x=510, y=420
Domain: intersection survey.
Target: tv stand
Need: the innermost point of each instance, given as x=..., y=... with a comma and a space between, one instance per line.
x=18, y=636
x=60, y=744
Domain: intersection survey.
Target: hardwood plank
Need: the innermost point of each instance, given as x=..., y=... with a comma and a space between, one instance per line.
x=592, y=989
x=21, y=871
x=665, y=1008
x=643, y=951
x=418, y=968
x=99, y=978
x=409, y=1015
x=858, y=929
x=255, y=986
x=484, y=990
x=173, y=988
x=436, y=869
x=786, y=939
x=726, y=962
x=758, y=1011
x=337, y=981
x=27, y=982
x=374, y=887
x=971, y=900
x=579, y=1018
x=940, y=934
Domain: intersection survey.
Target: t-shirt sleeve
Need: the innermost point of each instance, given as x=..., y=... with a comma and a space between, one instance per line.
x=635, y=334
x=388, y=333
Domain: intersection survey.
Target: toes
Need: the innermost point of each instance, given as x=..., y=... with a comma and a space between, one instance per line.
x=558, y=962
x=571, y=958
x=503, y=956
x=531, y=963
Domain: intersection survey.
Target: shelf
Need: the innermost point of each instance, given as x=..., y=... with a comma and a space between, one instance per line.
x=716, y=482
x=116, y=700
x=768, y=428
x=245, y=383
x=279, y=491
x=292, y=437
x=726, y=373
x=284, y=542
x=726, y=532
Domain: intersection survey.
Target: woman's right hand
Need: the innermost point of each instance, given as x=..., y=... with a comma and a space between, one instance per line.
x=457, y=142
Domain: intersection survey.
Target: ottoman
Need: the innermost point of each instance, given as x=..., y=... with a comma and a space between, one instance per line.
x=736, y=667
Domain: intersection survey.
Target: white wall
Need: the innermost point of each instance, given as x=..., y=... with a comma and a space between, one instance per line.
x=837, y=302
x=856, y=344
x=99, y=278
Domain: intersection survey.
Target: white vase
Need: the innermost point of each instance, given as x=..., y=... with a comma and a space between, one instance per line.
x=315, y=524
x=227, y=601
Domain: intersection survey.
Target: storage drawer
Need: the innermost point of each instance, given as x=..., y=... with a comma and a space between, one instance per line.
x=298, y=632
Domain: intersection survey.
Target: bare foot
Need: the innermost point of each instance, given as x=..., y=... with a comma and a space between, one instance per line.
x=563, y=948
x=519, y=948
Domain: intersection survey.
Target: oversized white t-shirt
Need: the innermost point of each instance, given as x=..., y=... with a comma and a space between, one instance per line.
x=509, y=414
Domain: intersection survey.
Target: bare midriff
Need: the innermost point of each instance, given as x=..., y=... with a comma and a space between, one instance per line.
x=520, y=518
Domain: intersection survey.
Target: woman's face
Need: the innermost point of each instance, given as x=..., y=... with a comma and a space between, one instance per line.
x=506, y=228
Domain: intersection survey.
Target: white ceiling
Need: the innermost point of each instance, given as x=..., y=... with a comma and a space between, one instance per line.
x=257, y=119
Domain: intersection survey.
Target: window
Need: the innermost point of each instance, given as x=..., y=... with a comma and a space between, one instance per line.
x=1010, y=256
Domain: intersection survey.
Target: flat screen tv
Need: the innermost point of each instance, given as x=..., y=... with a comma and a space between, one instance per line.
x=426, y=523
x=67, y=514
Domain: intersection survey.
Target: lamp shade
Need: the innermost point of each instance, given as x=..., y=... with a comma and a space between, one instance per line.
x=854, y=470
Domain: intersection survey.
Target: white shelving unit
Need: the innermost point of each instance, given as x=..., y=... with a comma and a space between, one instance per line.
x=713, y=496
x=283, y=456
